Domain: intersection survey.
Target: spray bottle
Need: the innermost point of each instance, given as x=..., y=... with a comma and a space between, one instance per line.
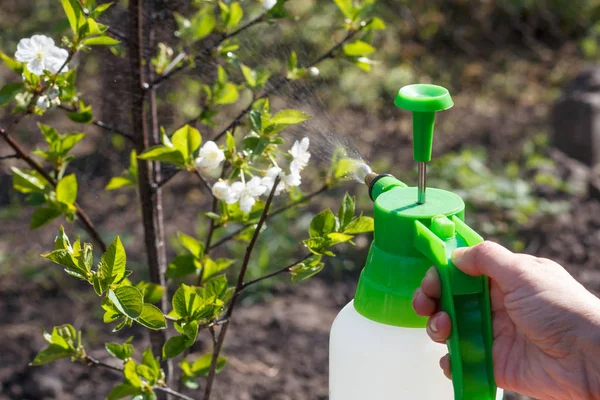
x=379, y=349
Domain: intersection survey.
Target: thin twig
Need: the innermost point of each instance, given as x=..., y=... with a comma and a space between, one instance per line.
x=6, y=157
x=205, y=183
x=91, y=361
x=206, y=52
x=83, y=217
x=303, y=199
x=172, y=392
x=103, y=125
x=97, y=363
x=238, y=288
x=272, y=274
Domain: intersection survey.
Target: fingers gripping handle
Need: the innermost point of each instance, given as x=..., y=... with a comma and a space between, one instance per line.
x=466, y=299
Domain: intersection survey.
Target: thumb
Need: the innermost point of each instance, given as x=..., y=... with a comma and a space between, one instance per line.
x=491, y=259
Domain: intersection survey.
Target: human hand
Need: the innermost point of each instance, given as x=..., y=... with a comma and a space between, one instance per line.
x=546, y=325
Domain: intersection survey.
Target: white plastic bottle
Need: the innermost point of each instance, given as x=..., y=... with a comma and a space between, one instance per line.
x=374, y=361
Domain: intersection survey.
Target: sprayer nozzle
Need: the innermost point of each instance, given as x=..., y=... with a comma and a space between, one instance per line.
x=361, y=170
x=370, y=177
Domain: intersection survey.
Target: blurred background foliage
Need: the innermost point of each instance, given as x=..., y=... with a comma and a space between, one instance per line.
x=504, y=61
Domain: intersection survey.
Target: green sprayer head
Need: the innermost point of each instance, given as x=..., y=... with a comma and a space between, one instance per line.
x=412, y=234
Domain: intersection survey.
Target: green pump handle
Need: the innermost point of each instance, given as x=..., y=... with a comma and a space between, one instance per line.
x=466, y=299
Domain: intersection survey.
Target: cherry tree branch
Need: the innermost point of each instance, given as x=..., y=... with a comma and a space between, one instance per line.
x=91, y=361
x=8, y=156
x=206, y=52
x=238, y=289
x=272, y=89
x=103, y=125
x=83, y=217
x=303, y=199
x=278, y=272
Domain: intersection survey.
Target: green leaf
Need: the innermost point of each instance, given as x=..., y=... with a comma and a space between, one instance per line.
x=164, y=154
x=191, y=244
x=322, y=224
x=11, y=63
x=256, y=145
x=9, y=91
x=236, y=13
x=152, y=292
x=52, y=353
x=187, y=140
x=358, y=48
x=226, y=94
x=346, y=212
x=185, y=301
x=101, y=41
x=201, y=366
x=42, y=216
x=376, y=24
x=66, y=189
x=83, y=116
x=307, y=269
x=249, y=75
x=121, y=351
x=65, y=259
x=131, y=375
x=112, y=263
x=360, y=225
x=101, y=8
x=152, y=318
x=123, y=390
x=345, y=7
x=62, y=242
x=335, y=238
x=202, y=24
x=151, y=361
x=292, y=61
x=175, y=346
x=289, y=117
x=72, y=11
x=27, y=181
x=182, y=266
x=128, y=300
x=212, y=268
x=118, y=182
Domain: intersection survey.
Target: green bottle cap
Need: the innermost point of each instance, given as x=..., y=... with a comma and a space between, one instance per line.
x=424, y=101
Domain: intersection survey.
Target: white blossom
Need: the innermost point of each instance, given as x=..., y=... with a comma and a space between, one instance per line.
x=40, y=53
x=269, y=180
x=300, y=156
x=251, y=190
x=268, y=4
x=228, y=193
x=291, y=180
x=43, y=103
x=210, y=156
x=313, y=71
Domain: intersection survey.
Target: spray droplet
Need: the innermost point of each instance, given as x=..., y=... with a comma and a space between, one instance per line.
x=361, y=172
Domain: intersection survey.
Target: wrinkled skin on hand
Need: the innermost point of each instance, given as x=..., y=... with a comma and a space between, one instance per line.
x=546, y=325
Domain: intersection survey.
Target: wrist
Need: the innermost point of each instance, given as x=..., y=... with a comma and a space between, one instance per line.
x=589, y=349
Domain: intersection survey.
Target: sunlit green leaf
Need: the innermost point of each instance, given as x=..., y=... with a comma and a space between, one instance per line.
x=360, y=225
x=152, y=292
x=289, y=117
x=191, y=244
x=212, y=268
x=249, y=75
x=11, y=63
x=113, y=261
x=307, y=269
x=358, y=48
x=152, y=318
x=26, y=181
x=128, y=300
x=164, y=154
x=66, y=189
x=121, y=351
x=322, y=224
x=187, y=140
x=346, y=211
x=118, y=182
x=236, y=13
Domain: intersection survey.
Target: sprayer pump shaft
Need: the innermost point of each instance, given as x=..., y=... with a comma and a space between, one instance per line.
x=422, y=183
